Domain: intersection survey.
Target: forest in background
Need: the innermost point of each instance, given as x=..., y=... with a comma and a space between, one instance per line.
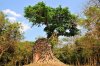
x=84, y=51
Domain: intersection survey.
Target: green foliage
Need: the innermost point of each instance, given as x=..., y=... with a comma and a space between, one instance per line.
x=12, y=51
x=65, y=54
x=24, y=52
x=90, y=43
x=55, y=19
x=9, y=37
x=86, y=49
x=92, y=17
x=53, y=40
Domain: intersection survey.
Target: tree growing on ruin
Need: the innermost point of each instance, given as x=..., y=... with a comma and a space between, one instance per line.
x=58, y=20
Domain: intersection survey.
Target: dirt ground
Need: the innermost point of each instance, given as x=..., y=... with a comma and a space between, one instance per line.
x=47, y=64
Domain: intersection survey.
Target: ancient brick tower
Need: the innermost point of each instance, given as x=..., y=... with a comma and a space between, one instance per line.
x=42, y=51
x=43, y=56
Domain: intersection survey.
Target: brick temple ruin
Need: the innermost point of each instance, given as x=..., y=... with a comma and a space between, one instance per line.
x=43, y=55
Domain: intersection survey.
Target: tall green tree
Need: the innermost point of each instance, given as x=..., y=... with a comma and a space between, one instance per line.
x=58, y=20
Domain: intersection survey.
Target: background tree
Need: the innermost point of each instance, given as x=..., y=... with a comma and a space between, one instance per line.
x=86, y=49
x=9, y=37
x=13, y=52
x=57, y=20
x=94, y=3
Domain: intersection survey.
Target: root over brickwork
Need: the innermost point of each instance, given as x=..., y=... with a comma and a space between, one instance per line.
x=43, y=55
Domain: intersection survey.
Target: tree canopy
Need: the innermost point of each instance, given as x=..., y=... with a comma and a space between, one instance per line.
x=58, y=20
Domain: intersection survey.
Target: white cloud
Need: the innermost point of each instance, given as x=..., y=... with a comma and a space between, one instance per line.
x=79, y=27
x=67, y=31
x=25, y=27
x=13, y=13
x=12, y=19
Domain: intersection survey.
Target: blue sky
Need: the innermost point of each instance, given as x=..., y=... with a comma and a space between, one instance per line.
x=15, y=11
